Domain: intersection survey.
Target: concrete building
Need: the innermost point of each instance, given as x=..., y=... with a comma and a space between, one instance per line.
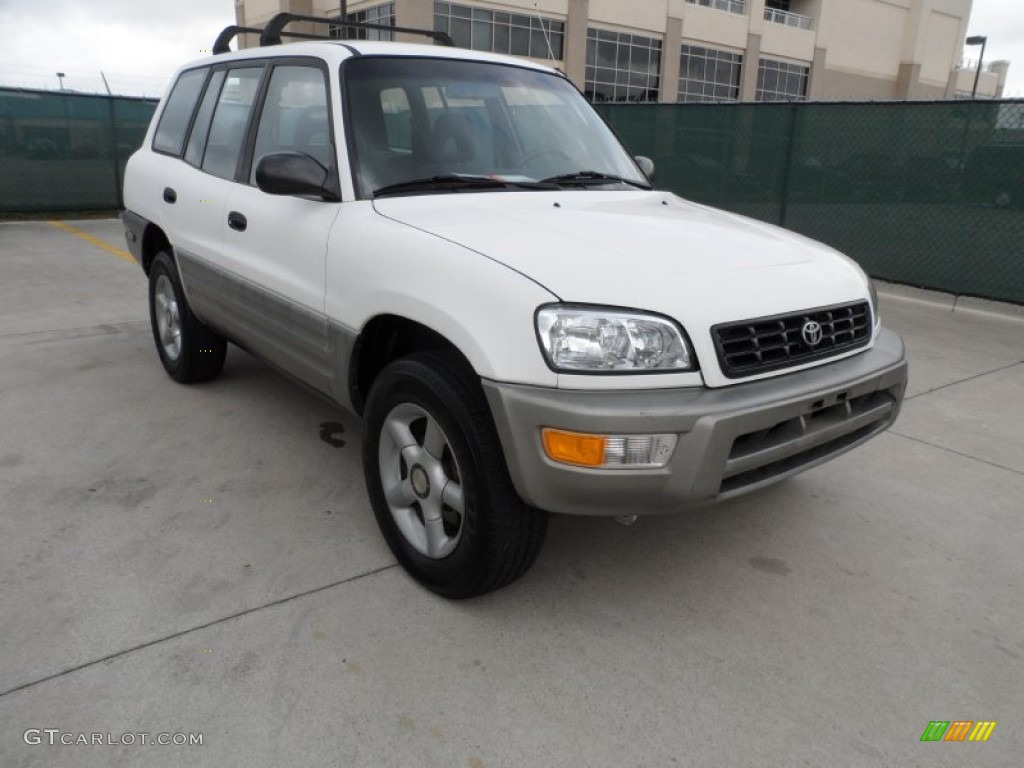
x=704, y=50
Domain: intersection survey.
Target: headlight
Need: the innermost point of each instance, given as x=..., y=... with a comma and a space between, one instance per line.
x=874, y=301
x=597, y=340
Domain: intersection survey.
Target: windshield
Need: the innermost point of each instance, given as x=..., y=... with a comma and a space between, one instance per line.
x=422, y=125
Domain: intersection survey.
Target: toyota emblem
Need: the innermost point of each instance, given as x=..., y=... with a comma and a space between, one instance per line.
x=812, y=333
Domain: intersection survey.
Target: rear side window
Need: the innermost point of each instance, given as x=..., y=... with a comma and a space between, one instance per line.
x=230, y=120
x=201, y=127
x=173, y=125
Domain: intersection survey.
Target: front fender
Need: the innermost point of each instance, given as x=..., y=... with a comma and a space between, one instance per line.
x=379, y=266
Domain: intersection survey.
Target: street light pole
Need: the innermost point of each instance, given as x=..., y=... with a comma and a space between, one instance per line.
x=60, y=76
x=977, y=40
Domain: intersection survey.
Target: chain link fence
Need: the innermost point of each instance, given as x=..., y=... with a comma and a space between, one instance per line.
x=64, y=151
x=927, y=194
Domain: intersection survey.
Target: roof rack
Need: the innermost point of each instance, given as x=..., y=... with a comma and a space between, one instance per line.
x=223, y=42
x=274, y=31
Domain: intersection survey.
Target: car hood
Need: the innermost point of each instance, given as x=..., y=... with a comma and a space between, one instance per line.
x=643, y=250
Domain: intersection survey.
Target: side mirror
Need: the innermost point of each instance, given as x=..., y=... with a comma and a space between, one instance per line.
x=295, y=173
x=646, y=165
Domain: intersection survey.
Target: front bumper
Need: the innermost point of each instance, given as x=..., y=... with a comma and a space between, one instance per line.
x=732, y=440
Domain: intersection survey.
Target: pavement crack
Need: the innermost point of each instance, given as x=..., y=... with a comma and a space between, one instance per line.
x=958, y=453
x=964, y=381
x=78, y=332
x=198, y=627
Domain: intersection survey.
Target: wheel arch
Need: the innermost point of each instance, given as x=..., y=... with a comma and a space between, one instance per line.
x=384, y=339
x=154, y=240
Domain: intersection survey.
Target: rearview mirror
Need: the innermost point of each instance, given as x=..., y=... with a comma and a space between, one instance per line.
x=646, y=165
x=295, y=173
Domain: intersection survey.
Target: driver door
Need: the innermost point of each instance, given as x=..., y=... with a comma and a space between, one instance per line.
x=277, y=244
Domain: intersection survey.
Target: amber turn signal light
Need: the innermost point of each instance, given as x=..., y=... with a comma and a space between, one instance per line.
x=608, y=451
x=573, y=447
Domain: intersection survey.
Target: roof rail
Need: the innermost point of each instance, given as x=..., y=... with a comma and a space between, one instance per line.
x=223, y=41
x=275, y=28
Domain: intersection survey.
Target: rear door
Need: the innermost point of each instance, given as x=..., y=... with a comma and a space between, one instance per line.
x=205, y=177
x=185, y=209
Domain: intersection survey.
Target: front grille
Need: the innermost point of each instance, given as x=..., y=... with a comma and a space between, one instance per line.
x=771, y=343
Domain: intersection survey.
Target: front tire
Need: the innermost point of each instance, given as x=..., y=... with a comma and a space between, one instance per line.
x=189, y=351
x=437, y=479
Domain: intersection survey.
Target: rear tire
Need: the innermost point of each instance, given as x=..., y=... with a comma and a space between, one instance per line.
x=437, y=480
x=189, y=351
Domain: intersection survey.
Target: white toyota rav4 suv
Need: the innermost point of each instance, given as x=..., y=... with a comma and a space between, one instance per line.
x=454, y=246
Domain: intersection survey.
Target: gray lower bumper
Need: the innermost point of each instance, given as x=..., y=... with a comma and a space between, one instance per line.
x=731, y=440
x=134, y=232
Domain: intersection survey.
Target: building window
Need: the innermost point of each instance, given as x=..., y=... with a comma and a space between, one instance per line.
x=483, y=30
x=732, y=6
x=708, y=74
x=781, y=81
x=622, y=67
x=383, y=14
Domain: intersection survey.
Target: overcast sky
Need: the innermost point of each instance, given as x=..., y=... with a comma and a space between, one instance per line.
x=139, y=43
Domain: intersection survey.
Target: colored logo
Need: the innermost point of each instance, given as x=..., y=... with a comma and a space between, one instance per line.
x=958, y=730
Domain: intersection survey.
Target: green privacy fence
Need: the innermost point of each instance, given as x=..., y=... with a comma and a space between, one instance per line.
x=66, y=151
x=928, y=194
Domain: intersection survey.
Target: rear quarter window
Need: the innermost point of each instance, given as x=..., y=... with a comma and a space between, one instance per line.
x=177, y=114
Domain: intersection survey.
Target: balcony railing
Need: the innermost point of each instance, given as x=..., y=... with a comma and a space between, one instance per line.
x=972, y=64
x=788, y=18
x=732, y=6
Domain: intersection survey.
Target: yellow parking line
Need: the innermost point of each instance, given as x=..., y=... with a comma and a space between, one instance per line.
x=94, y=241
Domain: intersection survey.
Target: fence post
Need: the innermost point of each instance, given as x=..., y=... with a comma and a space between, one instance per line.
x=114, y=153
x=787, y=171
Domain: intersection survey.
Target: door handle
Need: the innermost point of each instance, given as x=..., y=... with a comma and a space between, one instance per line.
x=237, y=221
x=170, y=196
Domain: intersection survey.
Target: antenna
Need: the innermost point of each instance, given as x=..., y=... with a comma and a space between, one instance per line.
x=547, y=37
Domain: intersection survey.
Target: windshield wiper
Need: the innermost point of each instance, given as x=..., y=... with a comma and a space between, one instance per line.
x=585, y=178
x=454, y=182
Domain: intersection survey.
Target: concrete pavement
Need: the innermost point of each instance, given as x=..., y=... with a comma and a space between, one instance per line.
x=204, y=560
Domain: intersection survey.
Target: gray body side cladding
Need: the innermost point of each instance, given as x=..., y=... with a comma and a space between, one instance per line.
x=134, y=231
x=299, y=341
